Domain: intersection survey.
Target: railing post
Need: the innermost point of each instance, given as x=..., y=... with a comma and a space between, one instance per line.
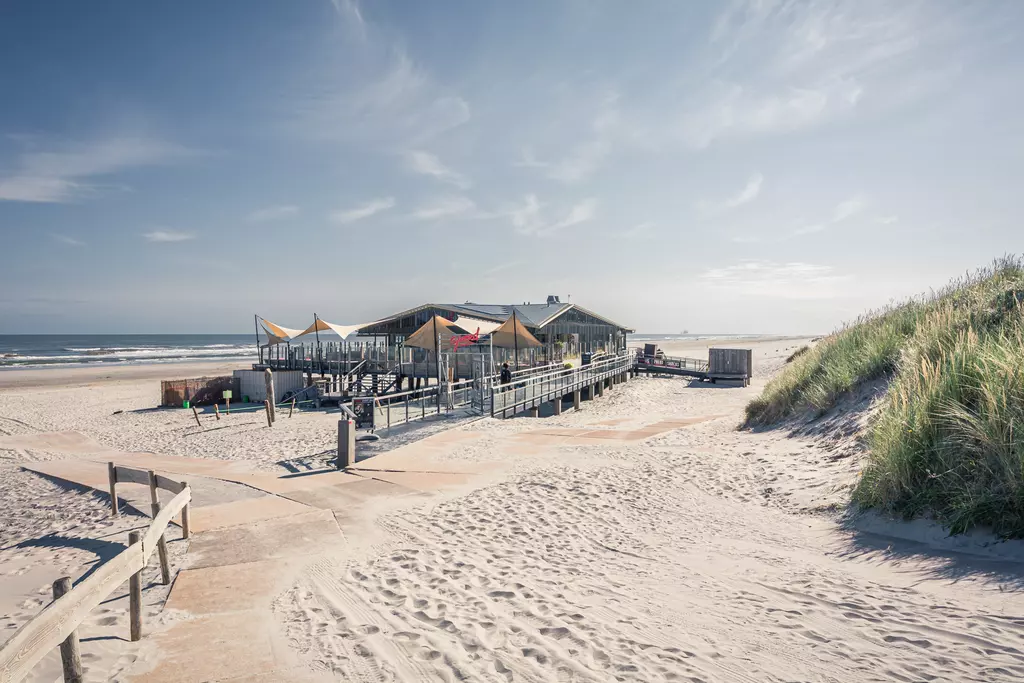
x=161, y=544
x=70, y=656
x=186, y=522
x=135, y=592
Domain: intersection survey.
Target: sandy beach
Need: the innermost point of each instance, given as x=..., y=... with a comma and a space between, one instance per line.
x=643, y=538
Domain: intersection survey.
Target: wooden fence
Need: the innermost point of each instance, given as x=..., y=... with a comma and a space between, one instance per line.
x=57, y=624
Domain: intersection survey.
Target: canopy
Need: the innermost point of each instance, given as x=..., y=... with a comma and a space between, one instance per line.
x=513, y=334
x=425, y=338
x=277, y=334
x=341, y=330
x=471, y=325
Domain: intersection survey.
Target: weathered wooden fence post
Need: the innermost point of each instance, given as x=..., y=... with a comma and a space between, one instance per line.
x=161, y=544
x=70, y=656
x=268, y=377
x=195, y=414
x=135, y=593
x=270, y=419
x=292, y=409
x=112, y=475
x=216, y=411
x=186, y=521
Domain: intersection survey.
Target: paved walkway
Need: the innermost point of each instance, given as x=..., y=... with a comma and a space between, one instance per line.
x=247, y=550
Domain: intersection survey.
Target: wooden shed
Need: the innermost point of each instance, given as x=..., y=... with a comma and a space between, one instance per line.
x=731, y=364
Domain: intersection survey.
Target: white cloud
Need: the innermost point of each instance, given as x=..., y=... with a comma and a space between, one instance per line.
x=580, y=213
x=793, y=280
x=639, y=230
x=68, y=241
x=589, y=154
x=848, y=209
x=887, y=220
x=370, y=208
x=388, y=100
x=72, y=173
x=445, y=207
x=746, y=195
x=273, y=213
x=778, y=67
x=168, y=236
x=425, y=163
x=529, y=218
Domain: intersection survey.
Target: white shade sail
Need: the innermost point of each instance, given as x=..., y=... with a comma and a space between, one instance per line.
x=471, y=325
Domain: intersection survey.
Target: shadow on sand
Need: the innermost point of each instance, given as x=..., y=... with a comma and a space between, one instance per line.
x=923, y=547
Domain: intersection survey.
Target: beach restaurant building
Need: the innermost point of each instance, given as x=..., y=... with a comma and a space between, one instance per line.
x=553, y=322
x=408, y=341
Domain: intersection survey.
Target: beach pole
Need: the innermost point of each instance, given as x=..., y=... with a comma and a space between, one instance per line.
x=135, y=593
x=346, y=444
x=216, y=411
x=70, y=656
x=112, y=475
x=270, y=420
x=268, y=378
x=195, y=414
x=292, y=409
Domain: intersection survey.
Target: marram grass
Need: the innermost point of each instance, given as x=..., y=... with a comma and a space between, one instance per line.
x=948, y=437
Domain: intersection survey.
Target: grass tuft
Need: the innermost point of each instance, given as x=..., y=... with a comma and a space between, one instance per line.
x=948, y=439
x=799, y=352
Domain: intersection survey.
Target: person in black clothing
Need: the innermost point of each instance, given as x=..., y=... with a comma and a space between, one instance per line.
x=506, y=374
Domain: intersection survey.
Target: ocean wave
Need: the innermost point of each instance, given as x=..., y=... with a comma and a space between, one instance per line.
x=128, y=355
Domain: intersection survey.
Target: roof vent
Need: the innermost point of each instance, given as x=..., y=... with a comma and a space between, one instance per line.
x=553, y=299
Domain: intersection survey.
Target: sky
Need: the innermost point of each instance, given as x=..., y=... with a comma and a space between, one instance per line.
x=756, y=166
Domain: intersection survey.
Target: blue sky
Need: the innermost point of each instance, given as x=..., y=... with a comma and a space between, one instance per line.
x=751, y=166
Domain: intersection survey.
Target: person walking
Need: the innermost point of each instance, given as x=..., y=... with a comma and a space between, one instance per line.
x=506, y=375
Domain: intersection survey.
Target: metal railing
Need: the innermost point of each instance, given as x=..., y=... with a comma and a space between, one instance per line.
x=392, y=410
x=533, y=390
x=677, y=363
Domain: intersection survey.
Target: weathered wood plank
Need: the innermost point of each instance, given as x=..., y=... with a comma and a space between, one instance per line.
x=55, y=623
x=163, y=518
x=127, y=474
x=169, y=484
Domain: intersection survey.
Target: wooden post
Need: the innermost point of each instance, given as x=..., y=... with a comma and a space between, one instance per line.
x=135, y=593
x=228, y=400
x=268, y=377
x=196, y=415
x=112, y=475
x=161, y=544
x=70, y=656
x=186, y=527
x=216, y=411
x=292, y=409
x=346, y=444
x=270, y=419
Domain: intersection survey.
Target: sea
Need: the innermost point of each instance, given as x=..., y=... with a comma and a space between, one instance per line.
x=77, y=350
x=686, y=336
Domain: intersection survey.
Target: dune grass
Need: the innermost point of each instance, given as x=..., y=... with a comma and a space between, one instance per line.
x=948, y=438
x=799, y=352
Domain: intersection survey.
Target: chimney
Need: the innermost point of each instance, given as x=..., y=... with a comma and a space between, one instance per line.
x=553, y=299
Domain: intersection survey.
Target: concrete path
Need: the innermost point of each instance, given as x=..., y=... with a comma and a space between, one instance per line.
x=252, y=533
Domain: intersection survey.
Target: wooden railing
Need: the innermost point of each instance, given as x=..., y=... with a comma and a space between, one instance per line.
x=57, y=624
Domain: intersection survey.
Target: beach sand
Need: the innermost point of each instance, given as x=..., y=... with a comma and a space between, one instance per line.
x=592, y=546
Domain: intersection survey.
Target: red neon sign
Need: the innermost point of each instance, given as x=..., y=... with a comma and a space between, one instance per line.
x=465, y=339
